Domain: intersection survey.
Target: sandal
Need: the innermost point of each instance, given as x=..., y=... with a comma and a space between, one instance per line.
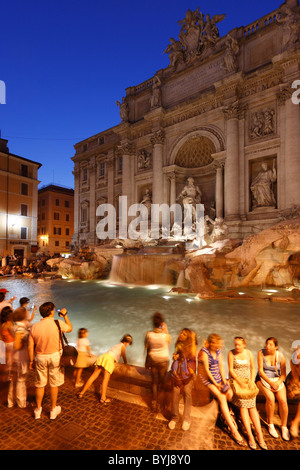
x=79, y=395
x=105, y=402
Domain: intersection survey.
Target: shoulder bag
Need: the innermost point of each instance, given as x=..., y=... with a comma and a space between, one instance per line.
x=70, y=353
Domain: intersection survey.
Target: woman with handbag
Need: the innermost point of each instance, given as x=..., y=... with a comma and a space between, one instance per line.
x=272, y=374
x=211, y=372
x=242, y=376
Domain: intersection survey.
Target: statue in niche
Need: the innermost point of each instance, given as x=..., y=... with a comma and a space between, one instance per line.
x=230, y=59
x=147, y=200
x=155, y=101
x=190, y=195
x=124, y=110
x=144, y=160
x=262, y=187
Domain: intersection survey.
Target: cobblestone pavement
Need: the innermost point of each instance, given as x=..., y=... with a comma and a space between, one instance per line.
x=126, y=424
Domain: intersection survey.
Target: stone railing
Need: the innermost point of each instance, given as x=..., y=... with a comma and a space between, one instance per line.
x=261, y=23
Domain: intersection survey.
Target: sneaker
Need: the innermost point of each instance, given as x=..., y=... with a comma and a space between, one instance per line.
x=37, y=413
x=285, y=433
x=185, y=426
x=172, y=424
x=272, y=430
x=55, y=412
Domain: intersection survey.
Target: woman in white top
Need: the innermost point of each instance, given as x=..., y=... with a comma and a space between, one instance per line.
x=106, y=363
x=84, y=353
x=157, y=343
x=242, y=369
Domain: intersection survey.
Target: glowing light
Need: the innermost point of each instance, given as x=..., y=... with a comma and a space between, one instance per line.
x=189, y=300
x=166, y=297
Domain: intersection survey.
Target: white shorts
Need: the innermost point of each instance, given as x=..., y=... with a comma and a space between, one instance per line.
x=48, y=365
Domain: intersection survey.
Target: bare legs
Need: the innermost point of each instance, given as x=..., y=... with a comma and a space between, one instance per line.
x=92, y=379
x=246, y=415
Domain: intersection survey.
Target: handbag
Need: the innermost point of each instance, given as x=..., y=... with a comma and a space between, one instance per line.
x=292, y=387
x=251, y=391
x=70, y=353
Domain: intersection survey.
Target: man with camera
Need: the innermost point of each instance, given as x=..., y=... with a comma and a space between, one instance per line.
x=45, y=345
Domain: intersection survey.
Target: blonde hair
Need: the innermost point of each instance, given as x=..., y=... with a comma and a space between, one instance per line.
x=211, y=339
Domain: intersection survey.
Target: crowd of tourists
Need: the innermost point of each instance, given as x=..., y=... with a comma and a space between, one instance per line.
x=38, y=346
x=13, y=265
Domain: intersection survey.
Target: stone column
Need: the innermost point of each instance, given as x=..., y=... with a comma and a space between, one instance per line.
x=172, y=179
x=232, y=174
x=110, y=166
x=127, y=172
x=92, y=215
x=75, y=236
x=157, y=141
x=291, y=148
x=219, y=189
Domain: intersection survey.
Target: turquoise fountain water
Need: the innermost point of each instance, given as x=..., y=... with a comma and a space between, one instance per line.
x=108, y=311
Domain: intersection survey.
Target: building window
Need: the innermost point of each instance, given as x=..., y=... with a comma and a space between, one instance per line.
x=24, y=170
x=67, y=243
x=56, y=215
x=84, y=175
x=56, y=243
x=57, y=202
x=67, y=232
x=120, y=164
x=102, y=170
x=43, y=215
x=67, y=217
x=84, y=214
x=24, y=210
x=67, y=203
x=23, y=233
x=43, y=202
x=24, y=189
x=56, y=230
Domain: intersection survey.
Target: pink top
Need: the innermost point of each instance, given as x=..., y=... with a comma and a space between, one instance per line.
x=46, y=337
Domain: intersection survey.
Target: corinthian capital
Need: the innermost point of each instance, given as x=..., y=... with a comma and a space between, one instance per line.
x=234, y=111
x=158, y=137
x=128, y=148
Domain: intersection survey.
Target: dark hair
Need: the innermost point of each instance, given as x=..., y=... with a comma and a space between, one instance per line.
x=2, y=296
x=19, y=314
x=46, y=309
x=127, y=339
x=272, y=339
x=157, y=319
x=24, y=300
x=6, y=314
x=81, y=332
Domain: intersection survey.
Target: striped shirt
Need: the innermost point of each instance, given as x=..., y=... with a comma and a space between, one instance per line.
x=213, y=364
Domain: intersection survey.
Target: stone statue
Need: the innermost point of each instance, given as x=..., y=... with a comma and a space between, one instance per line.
x=190, y=195
x=290, y=30
x=124, y=109
x=262, y=123
x=144, y=160
x=230, y=59
x=147, y=202
x=175, y=52
x=155, y=100
x=211, y=31
x=262, y=187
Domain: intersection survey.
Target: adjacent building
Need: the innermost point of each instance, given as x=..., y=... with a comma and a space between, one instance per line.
x=18, y=204
x=55, y=219
x=224, y=112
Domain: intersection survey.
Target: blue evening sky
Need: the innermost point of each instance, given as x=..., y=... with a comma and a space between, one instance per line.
x=65, y=63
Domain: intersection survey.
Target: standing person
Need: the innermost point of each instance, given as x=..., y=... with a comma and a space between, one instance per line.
x=45, y=343
x=157, y=344
x=242, y=370
x=3, y=302
x=106, y=363
x=24, y=301
x=20, y=359
x=272, y=374
x=84, y=353
x=293, y=390
x=183, y=371
x=7, y=335
x=211, y=371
